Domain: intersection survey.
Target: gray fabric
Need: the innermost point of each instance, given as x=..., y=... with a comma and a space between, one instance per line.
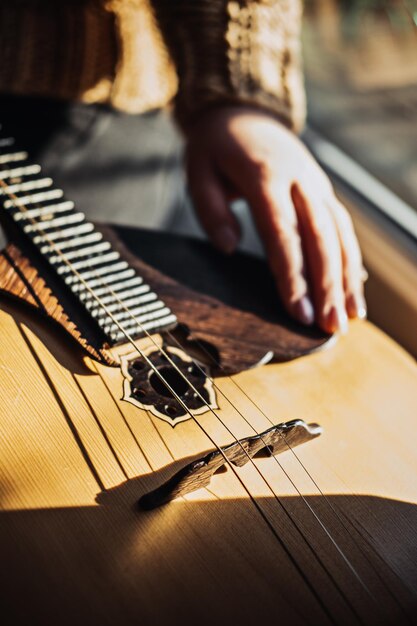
x=118, y=168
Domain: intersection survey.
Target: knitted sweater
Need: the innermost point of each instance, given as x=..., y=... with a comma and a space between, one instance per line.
x=137, y=55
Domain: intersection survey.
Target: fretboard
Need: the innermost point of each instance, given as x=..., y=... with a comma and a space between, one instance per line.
x=105, y=285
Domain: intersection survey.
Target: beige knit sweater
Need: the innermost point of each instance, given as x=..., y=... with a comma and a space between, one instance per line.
x=137, y=55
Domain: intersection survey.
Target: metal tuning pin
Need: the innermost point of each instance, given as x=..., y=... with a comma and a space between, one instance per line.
x=198, y=473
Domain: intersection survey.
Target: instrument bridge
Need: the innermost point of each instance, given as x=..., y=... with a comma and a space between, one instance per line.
x=198, y=473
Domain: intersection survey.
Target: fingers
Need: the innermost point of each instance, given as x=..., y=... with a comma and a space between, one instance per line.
x=276, y=221
x=277, y=224
x=212, y=206
x=307, y=234
x=323, y=258
x=353, y=272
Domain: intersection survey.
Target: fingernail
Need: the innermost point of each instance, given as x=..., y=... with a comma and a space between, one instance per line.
x=364, y=275
x=362, y=312
x=226, y=239
x=337, y=320
x=356, y=307
x=304, y=311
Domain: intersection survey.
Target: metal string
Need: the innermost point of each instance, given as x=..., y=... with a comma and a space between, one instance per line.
x=129, y=338
x=283, y=437
x=163, y=352
x=327, y=500
x=335, y=512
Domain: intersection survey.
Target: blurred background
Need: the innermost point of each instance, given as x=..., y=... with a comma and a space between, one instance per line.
x=360, y=59
x=361, y=70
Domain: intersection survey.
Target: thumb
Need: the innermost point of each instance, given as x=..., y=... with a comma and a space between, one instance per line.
x=210, y=199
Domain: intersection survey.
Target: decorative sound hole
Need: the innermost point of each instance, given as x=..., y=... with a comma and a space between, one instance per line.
x=174, y=380
x=147, y=389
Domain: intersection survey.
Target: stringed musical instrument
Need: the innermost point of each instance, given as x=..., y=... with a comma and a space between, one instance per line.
x=175, y=450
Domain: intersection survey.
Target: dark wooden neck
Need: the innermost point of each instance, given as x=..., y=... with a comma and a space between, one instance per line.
x=48, y=226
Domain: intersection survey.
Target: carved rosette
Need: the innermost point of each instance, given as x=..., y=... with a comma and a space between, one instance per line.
x=145, y=389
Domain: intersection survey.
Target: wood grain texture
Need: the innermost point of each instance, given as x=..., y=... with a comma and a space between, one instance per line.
x=75, y=458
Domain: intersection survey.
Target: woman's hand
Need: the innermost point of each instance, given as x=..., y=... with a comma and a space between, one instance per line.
x=239, y=152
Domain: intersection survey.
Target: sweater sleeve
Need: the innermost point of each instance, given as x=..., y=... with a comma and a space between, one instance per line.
x=235, y=51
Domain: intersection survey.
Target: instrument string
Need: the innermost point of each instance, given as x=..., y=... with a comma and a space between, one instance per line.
x=338, y=514
x=282, y=435
x=334, y=510
x=163, y=352
x=142, y=354
x=197, y=392
x=305, y=501
x=129, y=427
x=320, y=522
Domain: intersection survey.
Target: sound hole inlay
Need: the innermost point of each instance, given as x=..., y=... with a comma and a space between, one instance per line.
x=144, y=388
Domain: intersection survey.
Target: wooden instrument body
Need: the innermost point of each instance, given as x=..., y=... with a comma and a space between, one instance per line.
x=76, y=458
